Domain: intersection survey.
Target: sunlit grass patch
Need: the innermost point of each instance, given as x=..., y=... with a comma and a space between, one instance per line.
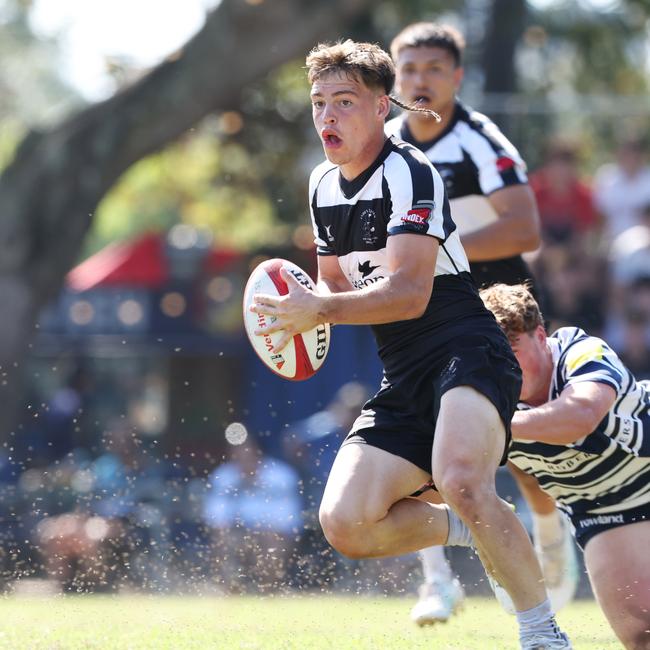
x=305, y=622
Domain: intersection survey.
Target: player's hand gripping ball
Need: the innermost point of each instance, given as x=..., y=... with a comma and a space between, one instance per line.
x=306, y=352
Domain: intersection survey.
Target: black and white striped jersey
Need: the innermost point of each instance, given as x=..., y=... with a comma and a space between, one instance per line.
x=608, y=470
x=400, y=192
x=474, y=159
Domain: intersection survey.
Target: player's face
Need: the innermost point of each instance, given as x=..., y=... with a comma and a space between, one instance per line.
x=429, y=77
x=349, y=118
x=532, y=354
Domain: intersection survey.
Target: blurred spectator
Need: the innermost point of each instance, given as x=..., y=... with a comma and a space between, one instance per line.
x=565, y=203
x=635, y=343
x=253, y=508
x=108, y=513
x=311, y=446
x=622, y=188
x=629, y=253
x=628, y=324
x=575, y=281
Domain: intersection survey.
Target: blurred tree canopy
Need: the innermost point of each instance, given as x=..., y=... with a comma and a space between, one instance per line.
x=31, y=89
x=234, y=104
x=253, y=161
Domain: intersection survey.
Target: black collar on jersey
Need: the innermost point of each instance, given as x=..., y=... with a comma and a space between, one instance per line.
x=407, y=136
x=350, y=188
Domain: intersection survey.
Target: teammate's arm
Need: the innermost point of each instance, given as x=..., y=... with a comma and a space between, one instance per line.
x=402, y=295
x=516, y=230
x=573, y=415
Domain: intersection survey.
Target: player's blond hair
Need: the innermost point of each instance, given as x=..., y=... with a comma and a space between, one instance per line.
x=514, y=307
x=364, y=62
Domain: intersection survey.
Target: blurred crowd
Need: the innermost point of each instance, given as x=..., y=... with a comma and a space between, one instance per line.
x=594, y=262
x=115, y=512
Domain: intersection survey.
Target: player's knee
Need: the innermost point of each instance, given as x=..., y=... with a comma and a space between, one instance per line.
x=463, y=488
x=345, y=533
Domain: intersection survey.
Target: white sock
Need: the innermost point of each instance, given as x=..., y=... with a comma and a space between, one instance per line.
x=547, y=529
x=459, y=533
x=538, y=621
x=435, y=565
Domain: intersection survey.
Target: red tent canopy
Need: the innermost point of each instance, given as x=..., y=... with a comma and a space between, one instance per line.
x=141, y=263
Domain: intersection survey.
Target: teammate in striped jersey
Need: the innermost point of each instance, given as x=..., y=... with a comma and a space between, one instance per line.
x=583, y=430
x=496, y=214
x=383, y=231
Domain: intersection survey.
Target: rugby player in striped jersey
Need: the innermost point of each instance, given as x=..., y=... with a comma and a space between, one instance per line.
x=583, y=430
x=389, y=256
x=496, y=215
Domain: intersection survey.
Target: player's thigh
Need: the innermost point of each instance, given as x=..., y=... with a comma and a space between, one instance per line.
x=619, y=571
x=365, y=481
x=469, y=432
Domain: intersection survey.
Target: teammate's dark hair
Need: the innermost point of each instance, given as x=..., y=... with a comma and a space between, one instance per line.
x=365, y=62
x=443, y=36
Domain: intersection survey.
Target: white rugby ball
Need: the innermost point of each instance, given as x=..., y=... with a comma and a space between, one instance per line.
x=306, y=352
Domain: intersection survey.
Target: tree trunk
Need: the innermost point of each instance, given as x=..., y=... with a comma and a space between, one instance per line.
x=49, y=193
x=506, y=25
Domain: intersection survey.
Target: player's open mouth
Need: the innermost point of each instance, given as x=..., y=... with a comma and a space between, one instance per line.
x=330, y=139
x=421, y=99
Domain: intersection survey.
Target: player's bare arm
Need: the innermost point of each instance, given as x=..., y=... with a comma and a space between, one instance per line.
x=516, y=230
x=402, y=295
x=331, y=278
x=573, y=415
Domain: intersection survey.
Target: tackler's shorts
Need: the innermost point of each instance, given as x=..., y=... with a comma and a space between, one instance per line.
x=587, y=525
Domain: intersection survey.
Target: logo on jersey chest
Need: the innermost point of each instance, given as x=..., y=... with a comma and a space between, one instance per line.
x=368, y=226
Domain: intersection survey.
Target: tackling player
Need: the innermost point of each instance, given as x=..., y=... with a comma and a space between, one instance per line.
x=389, y=255
x=584, y=433
x=496, y=214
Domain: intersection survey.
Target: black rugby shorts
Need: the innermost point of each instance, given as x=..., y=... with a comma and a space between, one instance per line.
x=587, y=525
x=401, y=417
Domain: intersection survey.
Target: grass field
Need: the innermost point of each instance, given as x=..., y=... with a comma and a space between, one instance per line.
x=250, y=623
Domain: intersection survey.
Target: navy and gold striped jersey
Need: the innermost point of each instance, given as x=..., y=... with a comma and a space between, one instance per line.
x=607, y=471
x=474, y=159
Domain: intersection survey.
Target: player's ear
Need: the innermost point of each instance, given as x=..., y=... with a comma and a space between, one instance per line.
x=383, y=106
x=459, y=73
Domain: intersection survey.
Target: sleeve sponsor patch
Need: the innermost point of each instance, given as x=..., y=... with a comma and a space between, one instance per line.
x=504, y=163
x=417, y=216
x=590, y=350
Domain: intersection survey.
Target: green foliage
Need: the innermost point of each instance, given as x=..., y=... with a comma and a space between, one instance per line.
x=310, y=622
x=32, y=92
x=202, y=180
x=244, y=174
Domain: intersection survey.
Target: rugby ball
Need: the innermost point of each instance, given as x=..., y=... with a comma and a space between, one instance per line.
x=303, y=355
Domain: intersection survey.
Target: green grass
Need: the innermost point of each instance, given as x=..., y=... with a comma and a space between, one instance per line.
x=255, y=623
